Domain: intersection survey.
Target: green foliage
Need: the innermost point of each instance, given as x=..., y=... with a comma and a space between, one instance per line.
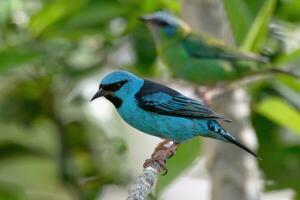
x=11, y=150
x=146, y=57
x=32, y=95
x=291, y=83
x=53, y=13
x=11, y=191
x=49, y=47
x=280, y=112
x=289, y=10
x=240, y=25
x=274, y=106
x=256, y=36
x=15, y=57
x=288, y=57
x=280, y=155
x=276, y=122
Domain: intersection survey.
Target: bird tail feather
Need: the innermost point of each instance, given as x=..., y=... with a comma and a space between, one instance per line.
x=220, y=133
x=237, y=143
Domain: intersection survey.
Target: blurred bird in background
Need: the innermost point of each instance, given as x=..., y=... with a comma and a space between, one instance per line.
x=198, y=58
x=162, y=112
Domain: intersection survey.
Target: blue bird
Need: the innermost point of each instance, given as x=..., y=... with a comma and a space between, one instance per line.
x=161, y=111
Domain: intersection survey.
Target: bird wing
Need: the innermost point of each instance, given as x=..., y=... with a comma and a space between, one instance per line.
x=160, y=99
x=207, y=48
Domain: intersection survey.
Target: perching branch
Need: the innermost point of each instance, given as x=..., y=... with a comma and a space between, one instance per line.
x=144, y=183
x=152, y=167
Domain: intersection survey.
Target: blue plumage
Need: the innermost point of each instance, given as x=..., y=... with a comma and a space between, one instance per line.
x=161, y=111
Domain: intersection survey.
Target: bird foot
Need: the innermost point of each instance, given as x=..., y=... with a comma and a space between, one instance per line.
x=160, y=157
x=161, y=146
x=160, y=160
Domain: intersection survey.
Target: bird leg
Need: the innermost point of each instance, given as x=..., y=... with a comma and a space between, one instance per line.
x=161, y=146
x=160, y=156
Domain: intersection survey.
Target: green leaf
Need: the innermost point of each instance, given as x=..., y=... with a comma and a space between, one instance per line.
x=280, y=112
x=185, y=156
x=259, y=28
x=4, y=12
x=287, y=58
x=254, y=6
x=279, y=155
x=10, y=150
x=292, y=83
x=53, y=13
x=11, y=191
x=241, y=24
x=16, y=57
x=289, y=10
x=145, y=57
x=90, y=16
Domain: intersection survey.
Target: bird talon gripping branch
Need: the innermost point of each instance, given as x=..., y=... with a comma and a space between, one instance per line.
x=161, y=154
x=160, y=160
x=160, y=146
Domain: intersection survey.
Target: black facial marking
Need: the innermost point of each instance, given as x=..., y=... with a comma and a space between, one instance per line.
x=160, y=22
x=113, y=86
x=114, y=100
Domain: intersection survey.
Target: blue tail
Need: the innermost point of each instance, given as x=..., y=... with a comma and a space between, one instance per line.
x=219, y=133
x=232, y=140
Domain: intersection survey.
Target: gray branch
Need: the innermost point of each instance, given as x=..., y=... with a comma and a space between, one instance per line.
x=144, y=183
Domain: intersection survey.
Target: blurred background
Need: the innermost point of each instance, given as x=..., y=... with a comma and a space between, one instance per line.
x=54, y=144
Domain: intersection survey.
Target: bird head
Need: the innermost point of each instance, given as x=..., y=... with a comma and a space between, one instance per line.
x=164, y=26
x=118, y=86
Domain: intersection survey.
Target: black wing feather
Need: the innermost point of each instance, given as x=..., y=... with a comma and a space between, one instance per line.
x=160, y=99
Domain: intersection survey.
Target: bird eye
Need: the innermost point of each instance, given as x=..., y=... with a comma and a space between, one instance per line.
x=117, y=86
x=114, y=86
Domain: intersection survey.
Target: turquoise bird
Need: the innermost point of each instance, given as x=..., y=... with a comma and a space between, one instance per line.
x=162, y=112
x=196, y=57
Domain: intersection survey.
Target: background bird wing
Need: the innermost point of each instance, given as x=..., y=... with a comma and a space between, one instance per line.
x=207, y=48
x=160, y=99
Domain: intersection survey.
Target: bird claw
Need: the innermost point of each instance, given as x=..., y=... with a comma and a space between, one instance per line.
x=160, y=146
x=162, y=163
x=160, y=157
x=165, y=172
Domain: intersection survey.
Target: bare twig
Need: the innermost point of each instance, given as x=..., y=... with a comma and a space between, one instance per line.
x=144, y=183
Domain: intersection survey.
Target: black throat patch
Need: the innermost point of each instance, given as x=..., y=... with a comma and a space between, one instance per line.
x=114, y=100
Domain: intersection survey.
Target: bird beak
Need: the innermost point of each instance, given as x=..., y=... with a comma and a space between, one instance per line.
x=99, y=93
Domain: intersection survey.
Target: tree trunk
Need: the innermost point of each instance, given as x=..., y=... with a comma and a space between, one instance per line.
x=234, y=173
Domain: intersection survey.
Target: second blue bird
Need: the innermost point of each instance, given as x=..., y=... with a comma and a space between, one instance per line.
x=161, y=111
